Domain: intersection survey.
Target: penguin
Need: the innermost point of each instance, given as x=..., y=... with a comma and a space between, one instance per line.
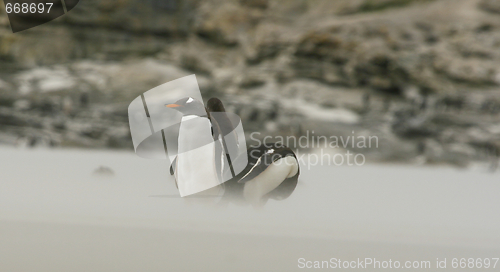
x=272, y=170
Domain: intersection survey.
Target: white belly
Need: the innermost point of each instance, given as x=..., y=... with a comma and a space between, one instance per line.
x=195, y=170
x=269, y=180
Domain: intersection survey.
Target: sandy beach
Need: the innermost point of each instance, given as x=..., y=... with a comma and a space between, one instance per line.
x=56, y=215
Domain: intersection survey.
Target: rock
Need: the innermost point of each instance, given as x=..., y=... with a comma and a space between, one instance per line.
x=308, y=64
x=490, y=5
x=22, y=104
x=261, y=4
x=269, y=41
x=408, y=124
x=167, y=17
x=9, y=119
x=318, y=45
x=45, y=80
x=224, y=23
x=103, y=171
x=251, y=81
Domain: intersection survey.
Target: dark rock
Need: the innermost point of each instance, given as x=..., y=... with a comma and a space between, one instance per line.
x=261, y=4
x=490, y=5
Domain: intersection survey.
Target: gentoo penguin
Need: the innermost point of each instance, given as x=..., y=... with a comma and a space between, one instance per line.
x=195, y=165
x=271, y=172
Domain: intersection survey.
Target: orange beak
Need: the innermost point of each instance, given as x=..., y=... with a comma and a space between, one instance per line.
x=172, y=105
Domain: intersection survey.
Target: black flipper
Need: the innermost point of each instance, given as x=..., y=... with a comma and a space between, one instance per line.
x=172, y=167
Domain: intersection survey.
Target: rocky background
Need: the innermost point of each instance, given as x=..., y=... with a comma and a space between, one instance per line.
x=422, y=75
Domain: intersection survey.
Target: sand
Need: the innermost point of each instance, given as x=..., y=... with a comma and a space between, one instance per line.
x=55, y=215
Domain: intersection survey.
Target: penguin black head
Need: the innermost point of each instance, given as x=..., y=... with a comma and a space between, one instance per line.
x=188, y=106
x=215, y=105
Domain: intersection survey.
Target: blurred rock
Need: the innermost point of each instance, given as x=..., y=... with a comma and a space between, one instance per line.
x=422, y=75
x=224, y=23
x=490, y=5
x=103, y=171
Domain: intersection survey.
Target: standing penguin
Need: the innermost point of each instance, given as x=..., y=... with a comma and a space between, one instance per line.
x=196, y=162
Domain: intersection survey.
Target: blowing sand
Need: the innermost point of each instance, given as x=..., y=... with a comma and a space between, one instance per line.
x=56, y=215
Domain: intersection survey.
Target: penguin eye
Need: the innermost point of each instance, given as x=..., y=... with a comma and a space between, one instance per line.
x=190, y=100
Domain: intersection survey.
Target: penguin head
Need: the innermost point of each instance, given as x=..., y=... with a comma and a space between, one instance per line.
x=188, y=106
x=215, y=105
